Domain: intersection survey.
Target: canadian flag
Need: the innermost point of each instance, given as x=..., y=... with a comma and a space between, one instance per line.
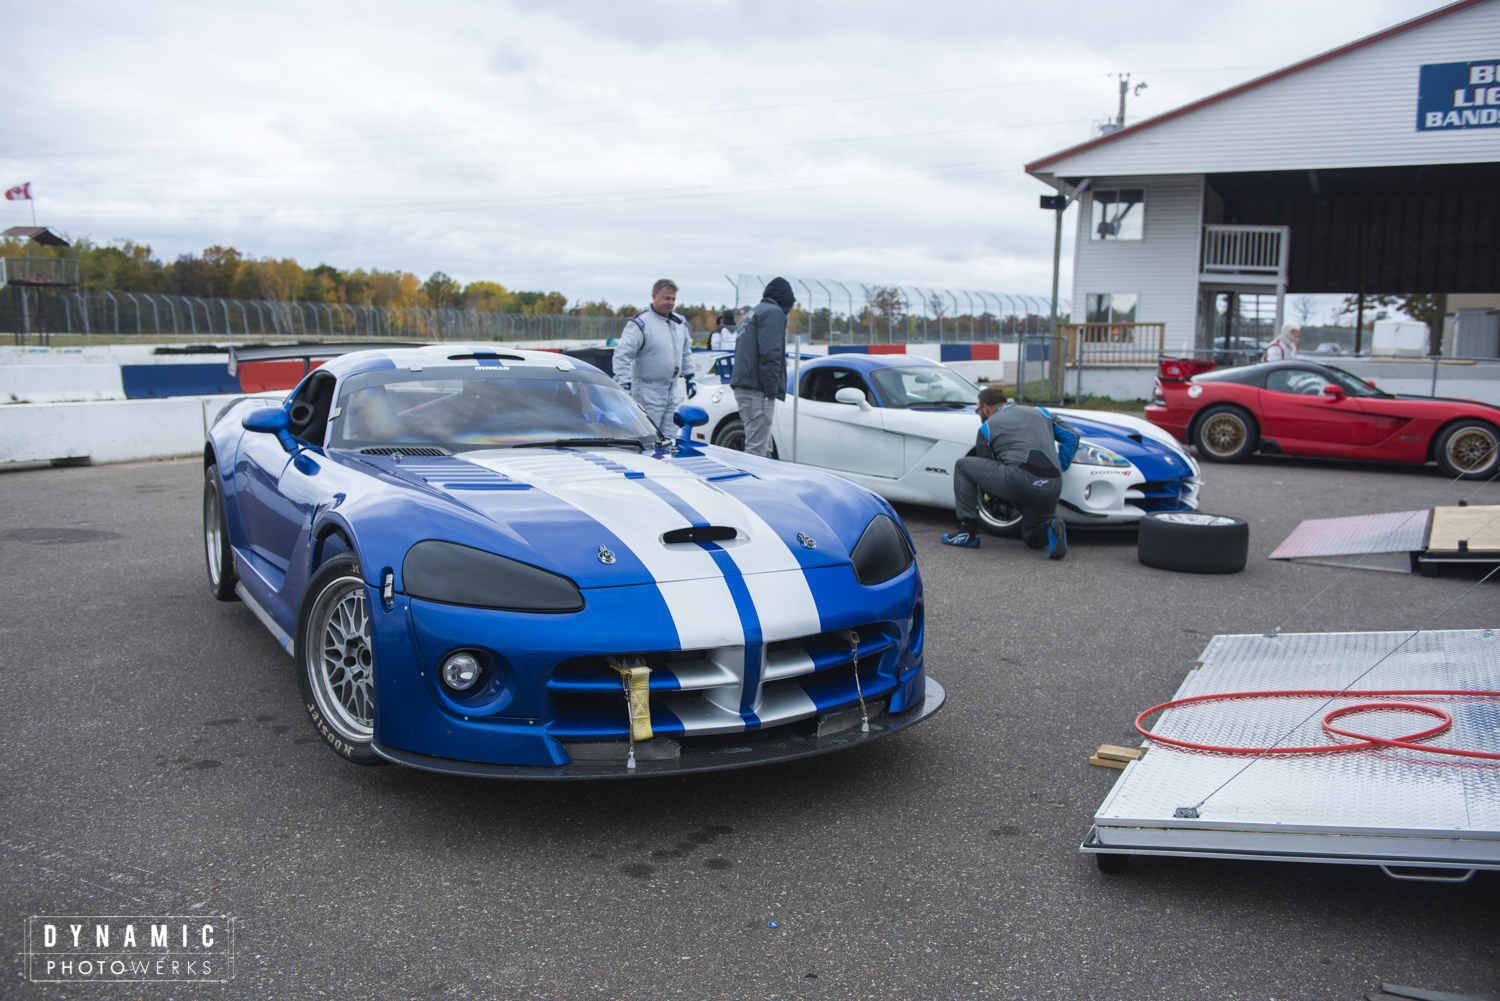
x=20, y=193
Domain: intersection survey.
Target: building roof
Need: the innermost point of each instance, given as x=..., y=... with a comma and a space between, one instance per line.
x=41, y=234
x=1059, y=162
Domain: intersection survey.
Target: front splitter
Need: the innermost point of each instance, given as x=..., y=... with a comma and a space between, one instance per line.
x=746, y=750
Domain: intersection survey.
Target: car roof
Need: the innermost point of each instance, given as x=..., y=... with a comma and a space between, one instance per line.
x=866, y=363
x=446, y=351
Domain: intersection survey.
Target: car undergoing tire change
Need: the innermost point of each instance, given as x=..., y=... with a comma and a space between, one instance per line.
x=488, y=563
x=897, y=424
x=1306, y=408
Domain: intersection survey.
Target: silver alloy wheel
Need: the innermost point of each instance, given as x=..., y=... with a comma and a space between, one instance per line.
x=998, y=513
x=342, y=663
x=1193, y=518
x=213, y=541
x=1472, y=449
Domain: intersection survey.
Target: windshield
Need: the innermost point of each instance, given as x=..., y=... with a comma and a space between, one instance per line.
x=924, y=386
x=467, y=408
x=1351, y=385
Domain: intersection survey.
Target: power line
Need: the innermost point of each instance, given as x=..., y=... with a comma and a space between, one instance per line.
x=611, y=121
x=576, y=159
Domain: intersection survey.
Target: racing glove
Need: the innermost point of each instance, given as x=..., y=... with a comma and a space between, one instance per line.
x=625, y=386
x=692, y=389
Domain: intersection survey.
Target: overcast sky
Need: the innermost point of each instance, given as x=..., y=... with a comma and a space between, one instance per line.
x=591, y=147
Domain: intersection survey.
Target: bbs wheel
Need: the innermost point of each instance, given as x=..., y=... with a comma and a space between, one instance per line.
x=335, y=660
x=1193, y=542
x=221, y=576
x=1468, y=450
x=999, y=516
x=731, y=434
x=1226, y=433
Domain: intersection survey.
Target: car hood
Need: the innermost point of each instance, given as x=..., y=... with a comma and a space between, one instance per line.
x=600, y=516
x=1152, y=450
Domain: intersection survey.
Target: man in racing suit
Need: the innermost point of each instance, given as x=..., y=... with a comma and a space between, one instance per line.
x=1015, y=457
x=655, y=349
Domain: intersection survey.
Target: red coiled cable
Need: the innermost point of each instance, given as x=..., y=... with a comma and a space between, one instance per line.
x=1363, y=741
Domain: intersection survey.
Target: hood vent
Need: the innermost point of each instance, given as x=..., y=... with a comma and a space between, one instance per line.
x=700, y=533
x=403, y=449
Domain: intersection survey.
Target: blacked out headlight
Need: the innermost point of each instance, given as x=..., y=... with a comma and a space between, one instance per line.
x=461, y=575
x=882, y=551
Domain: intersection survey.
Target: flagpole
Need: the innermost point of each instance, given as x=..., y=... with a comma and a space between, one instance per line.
x=32, y=199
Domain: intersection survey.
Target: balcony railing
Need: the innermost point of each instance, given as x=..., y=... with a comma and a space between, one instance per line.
x=1113, y=343
x=1256, y=253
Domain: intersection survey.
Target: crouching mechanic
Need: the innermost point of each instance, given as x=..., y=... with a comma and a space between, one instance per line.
x=1019, y=455
x=656, y=348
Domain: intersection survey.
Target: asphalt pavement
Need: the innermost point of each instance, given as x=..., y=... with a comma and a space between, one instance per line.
x=156, y=761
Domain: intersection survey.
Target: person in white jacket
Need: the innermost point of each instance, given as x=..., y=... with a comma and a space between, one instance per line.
x=655, y=350
x=1284, y=348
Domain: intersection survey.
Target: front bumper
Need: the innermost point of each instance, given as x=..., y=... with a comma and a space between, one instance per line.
x=707, y=754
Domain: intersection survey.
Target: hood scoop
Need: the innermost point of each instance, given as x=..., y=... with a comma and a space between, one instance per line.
x=700, y=533
x=456, y=474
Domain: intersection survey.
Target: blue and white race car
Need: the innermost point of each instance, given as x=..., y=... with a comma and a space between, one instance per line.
x=488, y=563
x=897, y=423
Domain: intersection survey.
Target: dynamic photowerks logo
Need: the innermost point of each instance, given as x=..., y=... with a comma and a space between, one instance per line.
x=77, y=948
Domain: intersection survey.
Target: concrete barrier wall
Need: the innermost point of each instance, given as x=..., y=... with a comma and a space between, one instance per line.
x=37, y=383
x=110, y=431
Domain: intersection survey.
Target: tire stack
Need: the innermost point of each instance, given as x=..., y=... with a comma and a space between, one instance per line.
x=1194, y=542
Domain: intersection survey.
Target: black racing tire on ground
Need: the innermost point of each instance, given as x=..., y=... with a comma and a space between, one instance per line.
x=731, y=434
x=1226, y=433
x=1111, y=863
x=1193, y=542
x=335, y=660
x=998, y=516
x=1468, y=449
x=216, y=551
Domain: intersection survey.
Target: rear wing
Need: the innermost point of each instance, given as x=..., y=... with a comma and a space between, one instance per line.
x=1182, y=369
x=307, y=352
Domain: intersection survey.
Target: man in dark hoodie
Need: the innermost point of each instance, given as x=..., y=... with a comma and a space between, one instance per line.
x=759, y=378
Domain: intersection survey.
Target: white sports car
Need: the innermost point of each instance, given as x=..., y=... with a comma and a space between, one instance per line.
x=897, y=423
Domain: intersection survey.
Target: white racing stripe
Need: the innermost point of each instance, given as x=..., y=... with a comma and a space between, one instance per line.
x=688, y=578
x=783, y=599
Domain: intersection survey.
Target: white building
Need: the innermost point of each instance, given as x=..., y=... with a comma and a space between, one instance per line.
x=1370, y=168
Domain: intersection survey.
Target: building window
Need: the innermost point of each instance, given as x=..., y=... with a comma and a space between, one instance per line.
x=1118, y=214
x=1112, y=307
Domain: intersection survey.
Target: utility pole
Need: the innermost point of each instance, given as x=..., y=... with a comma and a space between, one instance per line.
x=1125, y=89
x=1059, y=204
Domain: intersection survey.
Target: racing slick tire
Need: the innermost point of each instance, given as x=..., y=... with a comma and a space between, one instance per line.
x=1193, y=542
x=216, y=551
x=998, y=516
x=335, y=660
x=731, y=434
x=1468, y=449
x=1226, y=433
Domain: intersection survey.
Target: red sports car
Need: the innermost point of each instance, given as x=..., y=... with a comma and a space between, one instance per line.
x=1304, y=408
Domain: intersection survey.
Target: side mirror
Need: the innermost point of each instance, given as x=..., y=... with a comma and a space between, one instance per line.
x=1333, y=390
x=688, y=417
x=852, y=396
x=271, y=420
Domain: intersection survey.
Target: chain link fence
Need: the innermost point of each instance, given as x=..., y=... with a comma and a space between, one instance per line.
x=48, y=316
x=845, y=312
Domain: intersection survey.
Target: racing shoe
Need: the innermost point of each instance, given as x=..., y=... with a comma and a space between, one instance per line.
x=967, y=536
x=1057, y=539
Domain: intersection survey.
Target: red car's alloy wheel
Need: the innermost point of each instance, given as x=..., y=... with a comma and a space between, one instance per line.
x=1471, y=449
x=1224, y=434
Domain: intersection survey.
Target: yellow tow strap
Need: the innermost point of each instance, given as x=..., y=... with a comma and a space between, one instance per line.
x=635, y=676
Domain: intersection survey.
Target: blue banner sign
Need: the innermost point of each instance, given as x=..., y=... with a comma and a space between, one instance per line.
x=1459, y=96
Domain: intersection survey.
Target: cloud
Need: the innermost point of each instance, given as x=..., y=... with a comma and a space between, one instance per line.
x=591, y=147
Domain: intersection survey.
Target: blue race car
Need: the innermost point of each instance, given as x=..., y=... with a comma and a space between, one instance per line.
x=488, y=562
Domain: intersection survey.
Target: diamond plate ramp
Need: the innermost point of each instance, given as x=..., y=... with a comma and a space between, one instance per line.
x=1366, y=541
x=1376, y=807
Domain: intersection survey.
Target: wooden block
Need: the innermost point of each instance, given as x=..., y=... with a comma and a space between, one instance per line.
x=1107, y=762
x=1116, y=753
x=1479, y=526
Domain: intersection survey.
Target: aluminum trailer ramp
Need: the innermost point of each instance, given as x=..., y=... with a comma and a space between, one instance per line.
x=1379, y=806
